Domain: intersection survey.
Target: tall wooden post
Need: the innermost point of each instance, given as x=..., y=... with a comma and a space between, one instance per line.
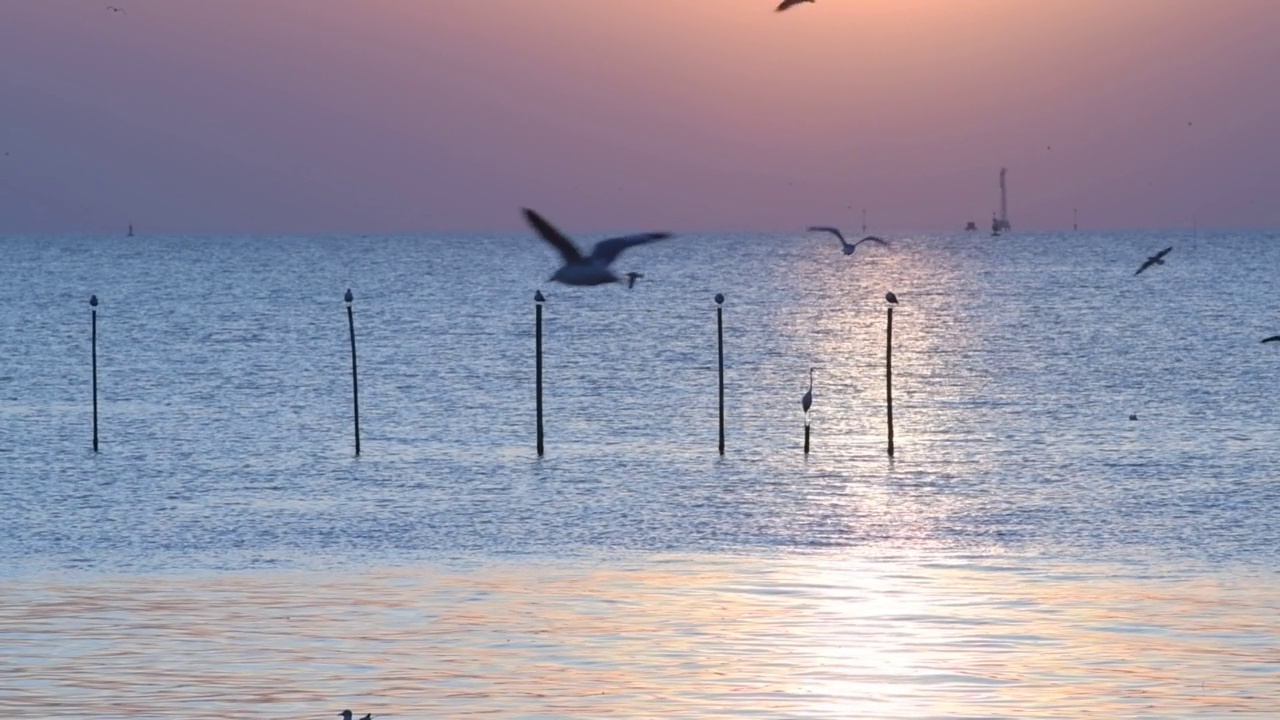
x=888, y=376
x=93, y=344
x=355, y=380
x=720, y=350
x=538, y=299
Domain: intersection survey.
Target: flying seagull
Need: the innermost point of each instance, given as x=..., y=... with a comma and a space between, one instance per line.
x=891, y=298
x=787, y=4
x=632, y=277
x=1156, y=259
x=1273, y=338
x=594, y=268
x=844, y=244
x=113, y=8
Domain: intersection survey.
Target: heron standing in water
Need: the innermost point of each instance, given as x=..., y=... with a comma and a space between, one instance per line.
x=806, y=402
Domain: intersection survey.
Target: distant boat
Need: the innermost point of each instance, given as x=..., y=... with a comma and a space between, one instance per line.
x=970, y=226
x=130, y=230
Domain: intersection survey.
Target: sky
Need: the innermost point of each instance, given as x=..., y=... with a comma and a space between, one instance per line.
x=338, y=116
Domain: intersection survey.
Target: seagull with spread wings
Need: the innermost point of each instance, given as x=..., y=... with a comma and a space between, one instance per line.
x=787, y=4
x=591, y=269
x=1157, y=259
x=845, y=245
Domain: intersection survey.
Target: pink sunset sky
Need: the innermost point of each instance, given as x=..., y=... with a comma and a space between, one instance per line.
x=448, y=115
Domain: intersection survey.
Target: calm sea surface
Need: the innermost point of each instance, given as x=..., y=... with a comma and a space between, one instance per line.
x=1030, y=552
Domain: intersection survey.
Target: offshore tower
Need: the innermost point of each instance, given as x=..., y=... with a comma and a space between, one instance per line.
x=1002, y=222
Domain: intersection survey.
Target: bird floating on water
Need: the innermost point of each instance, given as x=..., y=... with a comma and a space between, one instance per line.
x=806, y=402
x=346, y=715
x=632, y=277
x=891, y=298
x=787, y=4
x=1273, y=338
x=845, y=244
x=1157, y=259
x=594, y=268
x=1133, y=416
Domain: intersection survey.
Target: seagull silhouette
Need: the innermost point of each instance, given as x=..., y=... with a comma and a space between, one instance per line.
x=632, y=277
x=1156, y=259
x=113, y=8
x=891, y=298
x=845, y=244
x=1273, y=338
x=592, y=269
x=787, y=4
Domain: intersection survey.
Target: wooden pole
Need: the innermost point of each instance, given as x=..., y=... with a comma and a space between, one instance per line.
x=93, y=344
x=720, y=349
x=355, y=381
x=888, y=376
x=538, y=299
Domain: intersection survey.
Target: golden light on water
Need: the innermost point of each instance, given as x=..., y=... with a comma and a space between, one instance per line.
x=892, y=637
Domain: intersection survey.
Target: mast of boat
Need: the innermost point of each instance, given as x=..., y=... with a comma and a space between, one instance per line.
x=130, y=230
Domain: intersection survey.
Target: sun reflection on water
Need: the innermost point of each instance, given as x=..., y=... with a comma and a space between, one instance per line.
x=819, y=636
